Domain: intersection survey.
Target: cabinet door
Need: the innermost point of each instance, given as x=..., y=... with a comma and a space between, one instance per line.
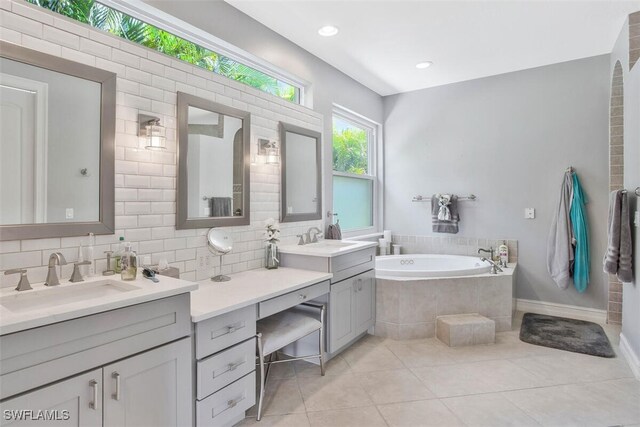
x=365, y=301
x=151, y=389
x=341, y=315
x=73, y=402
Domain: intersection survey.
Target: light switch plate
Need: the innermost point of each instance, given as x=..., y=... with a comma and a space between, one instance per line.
x=529, y=213
x=68, y=213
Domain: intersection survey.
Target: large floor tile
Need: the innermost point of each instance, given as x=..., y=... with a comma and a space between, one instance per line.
x=332, y=392
x=423, y=353
x=420, y=413
x=590, y=404
x=281, y=397
x=565, y=368
x=335, y=366
x=488, y=410
x=369, y=358
x=399, y=385
x=353, y=417
x=292, y=420
x=477, y=377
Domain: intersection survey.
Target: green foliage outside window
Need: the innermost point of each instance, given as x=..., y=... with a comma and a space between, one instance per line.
x=115, y=22
x=350, y=150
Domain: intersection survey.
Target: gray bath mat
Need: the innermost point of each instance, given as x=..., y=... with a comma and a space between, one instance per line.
x=565, y=334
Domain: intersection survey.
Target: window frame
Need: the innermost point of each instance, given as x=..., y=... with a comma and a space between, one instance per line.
x=150, y=15
x=375, y=166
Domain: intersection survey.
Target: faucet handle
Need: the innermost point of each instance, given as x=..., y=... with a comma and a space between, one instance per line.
x=301, y=241
x=76, y=276
x=23, y=284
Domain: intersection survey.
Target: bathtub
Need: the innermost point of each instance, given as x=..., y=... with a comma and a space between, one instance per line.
x=429, y=266
x=412, y=291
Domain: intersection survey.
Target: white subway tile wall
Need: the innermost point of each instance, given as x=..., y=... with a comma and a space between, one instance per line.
x=145, y=181
x=412, y=244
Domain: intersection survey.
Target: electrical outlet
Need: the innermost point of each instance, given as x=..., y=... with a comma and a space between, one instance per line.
x=529, y=213
x=636, y=218
x=68, y=214
x=201, y=261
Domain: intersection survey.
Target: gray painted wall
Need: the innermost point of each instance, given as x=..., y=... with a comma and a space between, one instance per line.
x=508, y=139
x=329, y=85
x=631, y=81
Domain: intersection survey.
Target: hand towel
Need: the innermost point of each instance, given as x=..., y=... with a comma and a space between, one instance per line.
x=334, y=232
x=444, y=225
x=559, y=246
x=220, y=206
x=625, y=265
x=612, y=255
x=444, y=213
x=580, y=227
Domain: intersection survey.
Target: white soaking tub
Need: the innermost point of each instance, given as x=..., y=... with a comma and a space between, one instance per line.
x=426, y=265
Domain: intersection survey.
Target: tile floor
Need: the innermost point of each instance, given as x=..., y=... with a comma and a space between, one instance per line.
x=381, y=382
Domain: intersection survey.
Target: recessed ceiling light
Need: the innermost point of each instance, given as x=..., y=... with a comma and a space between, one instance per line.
x=423, y=65
x=328, y=31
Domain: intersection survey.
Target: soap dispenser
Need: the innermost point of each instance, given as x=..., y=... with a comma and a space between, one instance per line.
x=128, y=263
x=503, y=253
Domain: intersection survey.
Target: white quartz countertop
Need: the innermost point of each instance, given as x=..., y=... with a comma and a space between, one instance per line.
x=327, y=248
x=43, y=312
x=248, y=287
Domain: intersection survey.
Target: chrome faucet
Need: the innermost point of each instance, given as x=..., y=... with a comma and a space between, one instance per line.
x=52, y=277
x=313, y=238
x=488, y=251
x=494, y=267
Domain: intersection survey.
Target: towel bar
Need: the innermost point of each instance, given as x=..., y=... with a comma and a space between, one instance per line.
x=419, y=198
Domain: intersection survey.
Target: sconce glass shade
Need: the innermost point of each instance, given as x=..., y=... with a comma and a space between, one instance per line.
x=155, y=136
x=271, y=156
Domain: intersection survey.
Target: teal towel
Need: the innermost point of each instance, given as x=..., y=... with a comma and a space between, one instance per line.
x=580, y=226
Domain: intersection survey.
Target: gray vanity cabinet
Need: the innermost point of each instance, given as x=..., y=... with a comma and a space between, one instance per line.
x=152, y=388
x=351, y=309
x=73, y=402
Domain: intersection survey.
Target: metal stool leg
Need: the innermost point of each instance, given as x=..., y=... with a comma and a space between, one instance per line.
x=321, y=347
x=262, y=376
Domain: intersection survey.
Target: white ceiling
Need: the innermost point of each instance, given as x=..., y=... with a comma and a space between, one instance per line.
x=380, y=41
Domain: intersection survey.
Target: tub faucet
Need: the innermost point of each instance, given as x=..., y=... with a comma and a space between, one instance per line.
x=52, y=277
x=488, y=251
x=494, y=267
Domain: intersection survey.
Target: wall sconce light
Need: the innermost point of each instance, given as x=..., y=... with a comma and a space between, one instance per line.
x=152, y=134
x=269, y=150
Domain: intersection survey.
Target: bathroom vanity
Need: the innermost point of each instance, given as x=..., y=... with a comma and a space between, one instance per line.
x=98, y=352
x=352, y=300
x=224, y=317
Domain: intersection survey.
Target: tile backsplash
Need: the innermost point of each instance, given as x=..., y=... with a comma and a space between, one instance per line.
x=145, y=182
x=412, y=244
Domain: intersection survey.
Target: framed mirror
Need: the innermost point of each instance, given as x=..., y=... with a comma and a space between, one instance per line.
x=213, y=164
x=301, y=182
x=57, y=131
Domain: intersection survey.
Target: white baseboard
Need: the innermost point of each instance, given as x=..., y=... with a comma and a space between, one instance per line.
x=562, y=310
x=632, y=358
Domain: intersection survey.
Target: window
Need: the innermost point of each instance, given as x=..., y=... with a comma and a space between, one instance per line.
x=122, y=25
x=354, y=172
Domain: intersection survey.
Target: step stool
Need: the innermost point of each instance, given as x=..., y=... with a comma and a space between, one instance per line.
x=465, y=329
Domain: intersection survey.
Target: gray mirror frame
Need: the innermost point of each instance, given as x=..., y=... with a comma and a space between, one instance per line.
x=182, y=216
x=106, y=221
x=284, y=216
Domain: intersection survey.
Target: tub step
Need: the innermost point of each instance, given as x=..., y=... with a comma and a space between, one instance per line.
x=465, y=329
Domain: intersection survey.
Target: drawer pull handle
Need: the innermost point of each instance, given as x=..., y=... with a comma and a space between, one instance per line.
x=226, y=330
x=116, y=395
x=96, y=391
x=230, y=367
x=234, y=402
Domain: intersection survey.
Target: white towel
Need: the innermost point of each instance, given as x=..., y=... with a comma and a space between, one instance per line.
x=444, y=213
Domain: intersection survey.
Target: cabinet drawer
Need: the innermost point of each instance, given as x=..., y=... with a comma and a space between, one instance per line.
x=225, y=367
x=278, y=304
x=349, y=265
x=228, y=404
x=220, y=332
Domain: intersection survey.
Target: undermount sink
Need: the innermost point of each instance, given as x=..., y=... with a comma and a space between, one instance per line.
x=64, y=294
